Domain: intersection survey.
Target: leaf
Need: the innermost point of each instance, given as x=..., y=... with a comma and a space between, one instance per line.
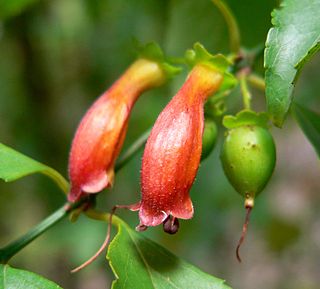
x=246, y=117
x=9, y=8
x=309, y=122
x=139, y=263
x=14, y=165
x=11, y=278
x=291, y=43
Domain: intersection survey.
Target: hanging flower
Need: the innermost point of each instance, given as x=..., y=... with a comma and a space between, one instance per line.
x=100, y=135
x=172, y=154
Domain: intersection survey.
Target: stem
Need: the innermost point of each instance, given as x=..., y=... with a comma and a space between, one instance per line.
x=7, y=252
x=232, y=25
x=246, y=95
x=104, y=244
x=244, y=232
x=132, y=150
x=58, y=178
x=13, y=248
x=100, y=216
x=111, y=219
x=105, y=217
x=257, y=81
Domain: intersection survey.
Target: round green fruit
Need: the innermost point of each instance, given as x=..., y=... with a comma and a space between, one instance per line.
x=248, y=158
x=209, y=138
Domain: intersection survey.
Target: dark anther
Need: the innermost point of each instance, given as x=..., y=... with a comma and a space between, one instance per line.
x=171, y=225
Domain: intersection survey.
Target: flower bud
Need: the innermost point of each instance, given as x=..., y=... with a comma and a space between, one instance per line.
x=172, y=154
x=100, y=135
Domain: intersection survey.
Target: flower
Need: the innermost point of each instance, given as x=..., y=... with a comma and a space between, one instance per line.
x=172, y=154
x=100, y=135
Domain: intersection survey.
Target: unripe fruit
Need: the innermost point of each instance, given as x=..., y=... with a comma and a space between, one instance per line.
x=248, y=157
x=209, y=138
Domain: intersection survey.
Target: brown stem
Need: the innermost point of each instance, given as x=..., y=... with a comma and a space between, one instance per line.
x=244, y=232
x=106, y=241
x=103, y=246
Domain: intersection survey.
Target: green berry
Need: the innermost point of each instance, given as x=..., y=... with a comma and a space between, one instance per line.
x=248, y=158
x=209, y=138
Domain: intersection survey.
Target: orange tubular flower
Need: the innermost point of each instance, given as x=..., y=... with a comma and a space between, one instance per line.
x=101, y=132
x=172, y=154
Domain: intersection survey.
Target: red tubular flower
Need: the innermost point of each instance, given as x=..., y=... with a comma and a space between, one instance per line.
x=102, y=130
x=172, y=154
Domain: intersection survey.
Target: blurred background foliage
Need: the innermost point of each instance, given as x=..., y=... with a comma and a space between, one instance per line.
x=57, y=56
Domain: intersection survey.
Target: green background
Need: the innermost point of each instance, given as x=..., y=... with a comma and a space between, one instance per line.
x=57, y=56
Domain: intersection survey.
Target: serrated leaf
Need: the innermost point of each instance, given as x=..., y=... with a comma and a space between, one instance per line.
x=139, y=263
x=11, y=278
x=14, y=165
x=309, y=122
x=246, y=117
x=291, y=43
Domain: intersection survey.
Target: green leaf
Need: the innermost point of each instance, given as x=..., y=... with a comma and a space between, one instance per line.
x=9, y=8
x=291, y=43
x=309, y=122
x=246, y=117
x=11, y=278
x=139, y=263
x=14, y=165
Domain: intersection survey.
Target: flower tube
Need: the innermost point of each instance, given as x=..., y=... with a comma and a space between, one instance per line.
x=172, y=154
x=101, y=132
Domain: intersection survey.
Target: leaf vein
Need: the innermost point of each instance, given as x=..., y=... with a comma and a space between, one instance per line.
x=143, y=259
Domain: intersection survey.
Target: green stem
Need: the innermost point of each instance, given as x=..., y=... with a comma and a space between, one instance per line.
x=7, y=252
x=57, y=178
x=232, y=25
x=246, y=95
x=13, y=248
x=101, y=216
x=257, y=81
x=132, y=150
